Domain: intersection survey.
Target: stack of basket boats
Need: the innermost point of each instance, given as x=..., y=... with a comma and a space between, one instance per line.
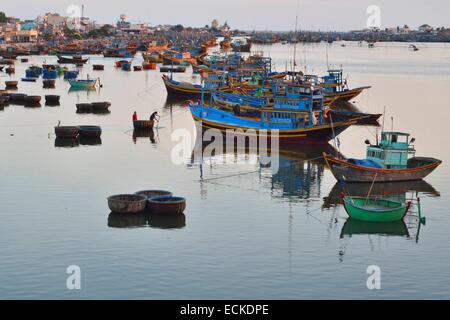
x=151, y=201
x=73, y=132
x=93, y=107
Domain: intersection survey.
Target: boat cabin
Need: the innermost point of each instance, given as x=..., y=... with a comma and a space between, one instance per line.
x=393, y=150
x=333, y=81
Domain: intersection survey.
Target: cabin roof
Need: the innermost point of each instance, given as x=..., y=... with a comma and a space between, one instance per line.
x=396, y=133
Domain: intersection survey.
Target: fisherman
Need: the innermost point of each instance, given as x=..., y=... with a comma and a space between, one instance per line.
x=154, y=116
x=135, y=116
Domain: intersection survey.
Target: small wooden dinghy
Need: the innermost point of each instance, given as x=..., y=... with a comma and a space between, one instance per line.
x=127, y=203
x=143, y=124
x=90, y=131
x=137, y=68
x=10, y=70
x=375, y=209
x=167, y=205
x=98, y=67
x=66, y=132
x=172, y=69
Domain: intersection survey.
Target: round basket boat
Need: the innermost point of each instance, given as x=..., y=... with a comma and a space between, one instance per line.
x=154, y=193
x=11, y=84
x=100, y=106
x=166, y=205
x=127, y=203
x=67, y=132
x=90, y=131
x=32, y=99
x=18, y=97
x=84, y=106
x=52, y=98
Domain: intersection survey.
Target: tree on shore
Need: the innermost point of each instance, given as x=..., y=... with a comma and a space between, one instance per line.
x=3, y=17
x=104, y=31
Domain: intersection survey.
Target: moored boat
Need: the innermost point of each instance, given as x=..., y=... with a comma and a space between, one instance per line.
x=374, y=209
x=83, y=84
x=32, y=99
x=11, y=84
x=48, y=83
x=100, y=106
x=66, y=132
x=73, y=60
x=98, y=67
x=386, y=161
x=175, y=69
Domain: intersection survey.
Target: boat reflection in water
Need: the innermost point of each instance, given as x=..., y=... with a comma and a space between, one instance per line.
x=139, y=220
x=76, y=142
x=408, y=227
x=144, y=133
x=296, y=177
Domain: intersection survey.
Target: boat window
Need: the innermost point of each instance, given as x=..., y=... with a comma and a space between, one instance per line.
x=394, y=138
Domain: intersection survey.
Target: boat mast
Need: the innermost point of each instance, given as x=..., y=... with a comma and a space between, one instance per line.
x=295, y=36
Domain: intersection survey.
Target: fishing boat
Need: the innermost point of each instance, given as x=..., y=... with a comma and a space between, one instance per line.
x=153, y=57
x=299, y=123
x=386, y=161
x=148, y=65
x=213, y=81
x=170, y=69
x=73, y=60
x=51, y=98
x=83, y=84
x=143, y=124
x=336, y=87
x=84, y=107
x=137, y=68
x=125, y=66
x=98, y=67
x=100, y=106
x=225, y=44
x=241, y=46
x=374, y=209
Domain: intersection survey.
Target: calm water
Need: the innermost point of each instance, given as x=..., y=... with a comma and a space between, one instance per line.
x=254, y=235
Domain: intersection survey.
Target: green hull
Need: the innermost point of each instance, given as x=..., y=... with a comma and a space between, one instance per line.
x=374, y=210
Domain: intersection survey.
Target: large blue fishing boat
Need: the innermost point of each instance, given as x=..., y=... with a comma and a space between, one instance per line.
x=291, y=120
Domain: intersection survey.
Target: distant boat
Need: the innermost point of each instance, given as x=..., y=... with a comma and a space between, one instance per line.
x=83, y=84
x=413, y=47
x=74, y=59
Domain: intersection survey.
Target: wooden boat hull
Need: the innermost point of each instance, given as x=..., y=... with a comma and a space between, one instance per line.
x=78, y=84
x=314, y=135
x=346, y=95
x=64, y=60
x=143, y=124
x=374, y=210
x=48, y=83
x=187, y=90
x=418, y=169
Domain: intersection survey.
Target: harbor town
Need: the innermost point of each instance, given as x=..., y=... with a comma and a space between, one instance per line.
x=193, y=159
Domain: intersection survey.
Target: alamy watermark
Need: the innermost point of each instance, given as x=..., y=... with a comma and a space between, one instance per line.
x=374, y=19
x=218, y=144
x=374, y=280
x=73, y=281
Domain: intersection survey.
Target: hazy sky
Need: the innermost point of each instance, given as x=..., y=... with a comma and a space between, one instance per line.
x=247, y=14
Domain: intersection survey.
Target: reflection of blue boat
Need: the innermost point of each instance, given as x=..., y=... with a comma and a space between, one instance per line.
x=302, y=121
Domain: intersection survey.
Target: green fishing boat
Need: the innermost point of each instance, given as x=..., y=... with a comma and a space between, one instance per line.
x=375, y=209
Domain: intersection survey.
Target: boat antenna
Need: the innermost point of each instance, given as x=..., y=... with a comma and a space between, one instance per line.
x=384, y=117
x=295, y=35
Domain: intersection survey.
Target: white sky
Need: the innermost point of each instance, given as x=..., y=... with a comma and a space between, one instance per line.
x=323, y=15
